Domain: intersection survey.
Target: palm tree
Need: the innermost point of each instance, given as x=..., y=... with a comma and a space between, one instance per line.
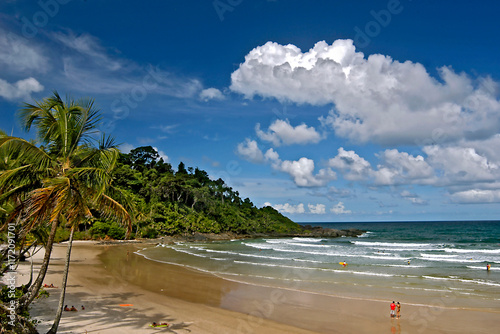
x=73, y=175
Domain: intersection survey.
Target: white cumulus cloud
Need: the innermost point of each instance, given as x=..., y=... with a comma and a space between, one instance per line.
x=462, y=164
x=476, y=196
x=287, y=208
x=302, y=172
x=353, y=166
x=249, y=150
x=20, y=89
x=317, y=209
x=339, y=209
x=211, y=94
x=282, y=132
x=162, y=154
x=402, y=168
x=375, y=98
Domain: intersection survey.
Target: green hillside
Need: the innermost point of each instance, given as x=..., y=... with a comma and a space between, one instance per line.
x=185, y=201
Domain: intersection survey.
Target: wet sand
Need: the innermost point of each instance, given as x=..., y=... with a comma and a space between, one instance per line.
x=103, y=277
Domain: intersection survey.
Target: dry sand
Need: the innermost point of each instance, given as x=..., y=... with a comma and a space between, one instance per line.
x=104, y=277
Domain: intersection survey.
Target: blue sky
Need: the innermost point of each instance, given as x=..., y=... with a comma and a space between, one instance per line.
x=325, y=110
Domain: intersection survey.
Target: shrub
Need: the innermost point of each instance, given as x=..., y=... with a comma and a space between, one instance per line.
x=100, y=230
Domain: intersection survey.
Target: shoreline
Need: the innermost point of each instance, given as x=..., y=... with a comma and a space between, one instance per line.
x=101, y=291
x=204, y=303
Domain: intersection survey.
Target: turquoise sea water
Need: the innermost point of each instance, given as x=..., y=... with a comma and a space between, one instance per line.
x=430, y=263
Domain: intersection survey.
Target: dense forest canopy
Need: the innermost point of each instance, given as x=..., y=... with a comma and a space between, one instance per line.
x=168, y=202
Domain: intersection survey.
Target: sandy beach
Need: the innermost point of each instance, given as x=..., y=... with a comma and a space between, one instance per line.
x=104, y=278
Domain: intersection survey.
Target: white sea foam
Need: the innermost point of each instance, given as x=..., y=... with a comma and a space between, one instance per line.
x=399, y=265
x=468, y=281
x=307, y=245
x=308, y=239
x=480, y=282
x=392, y=244
x=365, y=273
x=438, y=256
x=274, y=265
x=278, y=241
x=191, y=253
x=438, y=278
x=483, y=268
x=486, y=251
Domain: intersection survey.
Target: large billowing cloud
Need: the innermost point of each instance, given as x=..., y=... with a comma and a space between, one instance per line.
x=375, y=99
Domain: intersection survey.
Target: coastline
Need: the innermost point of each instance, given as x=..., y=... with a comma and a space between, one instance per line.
x=102, y=291
x=103, y=276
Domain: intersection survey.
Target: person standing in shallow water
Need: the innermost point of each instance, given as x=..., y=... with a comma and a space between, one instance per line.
x=398, y=311
x=393, y=309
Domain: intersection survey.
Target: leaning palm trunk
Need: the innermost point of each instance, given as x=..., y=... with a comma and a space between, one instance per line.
x=64, y=178
x=28, y=298
x=57, y=319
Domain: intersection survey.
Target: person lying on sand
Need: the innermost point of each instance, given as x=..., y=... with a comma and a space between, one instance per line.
x=49, y=286
x=66, y=308
x=73, y=309
x=161, y=324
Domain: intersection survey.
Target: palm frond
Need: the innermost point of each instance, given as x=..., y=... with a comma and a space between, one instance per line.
x=111, y=208
x=26, y=152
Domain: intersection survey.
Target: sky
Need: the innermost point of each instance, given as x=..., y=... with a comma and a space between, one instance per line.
x=328, y=111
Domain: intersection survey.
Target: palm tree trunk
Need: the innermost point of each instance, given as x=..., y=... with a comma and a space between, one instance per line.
x=28, y=298
x=57, y=319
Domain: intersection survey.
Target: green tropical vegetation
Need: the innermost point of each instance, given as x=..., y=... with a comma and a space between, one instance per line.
x=71, y=182
x=187, y=201
x=60, y=180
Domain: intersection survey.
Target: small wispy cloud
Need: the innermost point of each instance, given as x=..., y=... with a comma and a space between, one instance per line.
x=211, y=94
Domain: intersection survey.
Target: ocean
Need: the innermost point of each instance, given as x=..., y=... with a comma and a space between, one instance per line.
x=442, y=264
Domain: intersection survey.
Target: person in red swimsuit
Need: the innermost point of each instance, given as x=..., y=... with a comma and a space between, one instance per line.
x=393, y=309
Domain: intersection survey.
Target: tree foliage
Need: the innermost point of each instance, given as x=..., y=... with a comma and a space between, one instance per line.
x=188, y=201
x=60, y=179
